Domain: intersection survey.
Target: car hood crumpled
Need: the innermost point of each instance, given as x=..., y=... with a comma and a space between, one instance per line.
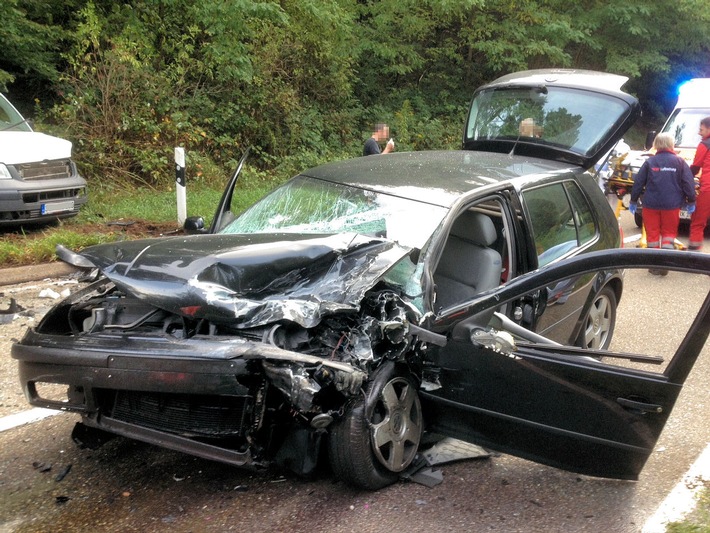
x=249, y=280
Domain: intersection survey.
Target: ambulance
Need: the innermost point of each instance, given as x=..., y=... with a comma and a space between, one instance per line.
x=693, y=105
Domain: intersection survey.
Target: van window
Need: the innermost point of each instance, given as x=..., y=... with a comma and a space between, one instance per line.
x=10, y=118
x=684, y=124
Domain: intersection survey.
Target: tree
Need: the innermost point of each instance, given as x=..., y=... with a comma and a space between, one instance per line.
x=654, y=42
x=29, y=44
x=303, y=80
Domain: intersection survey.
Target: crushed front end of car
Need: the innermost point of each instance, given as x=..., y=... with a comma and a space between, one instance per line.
x=241, y=349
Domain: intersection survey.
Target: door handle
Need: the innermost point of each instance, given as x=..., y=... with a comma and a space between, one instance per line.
x=642, y=407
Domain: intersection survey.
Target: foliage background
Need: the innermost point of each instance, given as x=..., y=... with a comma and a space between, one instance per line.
x=303, y=81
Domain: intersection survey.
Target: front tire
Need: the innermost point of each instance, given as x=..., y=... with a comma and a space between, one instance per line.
x=598, y=326
x=379, y=435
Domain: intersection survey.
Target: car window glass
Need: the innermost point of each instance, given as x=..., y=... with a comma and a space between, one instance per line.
x=552, y=220
x=576, y=120
x=653, y=302
x=643, y=327
x=305, y=205
x=649, y=320
x=10, y=118
x=584, y=220
x=683, y=124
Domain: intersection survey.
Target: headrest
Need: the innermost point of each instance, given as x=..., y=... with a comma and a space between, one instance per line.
x=475, y=227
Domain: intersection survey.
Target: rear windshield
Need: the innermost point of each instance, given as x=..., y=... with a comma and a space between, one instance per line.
x=574, y=120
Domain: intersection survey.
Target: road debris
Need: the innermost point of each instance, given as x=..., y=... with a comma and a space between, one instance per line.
x=444, y=451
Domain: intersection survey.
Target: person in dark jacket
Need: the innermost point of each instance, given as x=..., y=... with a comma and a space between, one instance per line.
x=667, y=185
x=372, y=147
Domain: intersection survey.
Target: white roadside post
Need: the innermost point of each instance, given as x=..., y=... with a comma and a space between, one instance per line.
x=180, y=184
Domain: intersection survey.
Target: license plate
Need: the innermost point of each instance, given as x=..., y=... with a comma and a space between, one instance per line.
x=57, y=207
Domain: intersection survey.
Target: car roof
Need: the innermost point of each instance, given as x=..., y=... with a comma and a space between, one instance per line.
x=436, y=177
x=586, y=79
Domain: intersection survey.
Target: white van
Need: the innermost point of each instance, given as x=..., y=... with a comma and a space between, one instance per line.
x=38, y=180
x=693, y=106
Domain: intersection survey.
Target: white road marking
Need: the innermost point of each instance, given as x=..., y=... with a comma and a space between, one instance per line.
x=25, y=417
x=632, y=238
x=682, y=499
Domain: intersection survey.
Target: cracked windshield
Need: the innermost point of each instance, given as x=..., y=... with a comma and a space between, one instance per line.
x=306, y=205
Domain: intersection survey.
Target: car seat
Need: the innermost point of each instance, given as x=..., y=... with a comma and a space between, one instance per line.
x=467, y=266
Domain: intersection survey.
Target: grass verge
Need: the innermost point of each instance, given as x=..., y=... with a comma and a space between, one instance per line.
x=698, y=521
x=118, y=214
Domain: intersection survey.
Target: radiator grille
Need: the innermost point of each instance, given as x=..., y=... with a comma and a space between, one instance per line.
x=184, y=414
x=45, y=170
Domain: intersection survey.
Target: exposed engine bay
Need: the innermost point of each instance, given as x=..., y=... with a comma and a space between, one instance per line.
x=294, y=375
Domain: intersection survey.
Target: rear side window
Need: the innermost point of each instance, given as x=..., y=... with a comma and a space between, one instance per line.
x=584, y=221
x=561, y=220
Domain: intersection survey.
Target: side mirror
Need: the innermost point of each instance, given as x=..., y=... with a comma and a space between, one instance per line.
x=194, y=225
x=650, y=136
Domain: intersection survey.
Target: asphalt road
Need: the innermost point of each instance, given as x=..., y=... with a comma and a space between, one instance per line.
x=47, y=484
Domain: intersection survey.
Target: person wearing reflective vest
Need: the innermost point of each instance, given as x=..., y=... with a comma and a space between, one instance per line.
x=701, y=162
x=667, y=185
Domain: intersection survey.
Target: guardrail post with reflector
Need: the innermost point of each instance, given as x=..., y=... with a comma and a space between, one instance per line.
x=180, y=185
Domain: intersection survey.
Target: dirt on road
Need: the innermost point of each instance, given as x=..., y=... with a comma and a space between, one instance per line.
x=21, y=306
x=28, y=291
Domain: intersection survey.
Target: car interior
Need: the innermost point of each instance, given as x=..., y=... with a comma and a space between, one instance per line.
x=468, y=265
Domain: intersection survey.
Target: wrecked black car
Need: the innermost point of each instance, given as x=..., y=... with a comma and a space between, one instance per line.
x=470, y=293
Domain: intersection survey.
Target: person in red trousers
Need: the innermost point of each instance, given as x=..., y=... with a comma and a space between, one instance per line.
x=667, y=184
x=701, y=163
